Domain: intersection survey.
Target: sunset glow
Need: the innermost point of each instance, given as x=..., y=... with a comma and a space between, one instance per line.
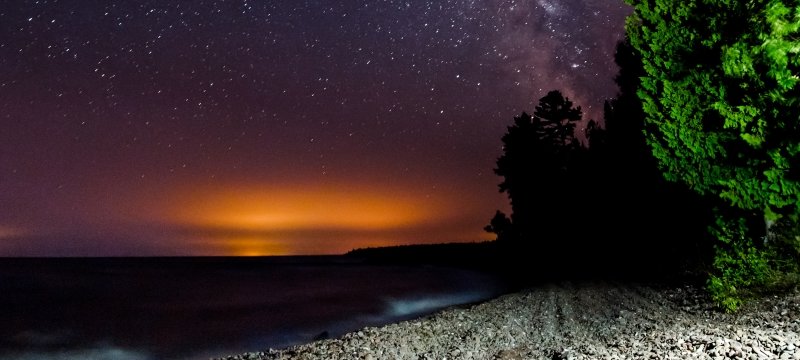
x=299, y=208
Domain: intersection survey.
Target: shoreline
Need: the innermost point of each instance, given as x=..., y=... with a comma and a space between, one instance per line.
x=576, y=321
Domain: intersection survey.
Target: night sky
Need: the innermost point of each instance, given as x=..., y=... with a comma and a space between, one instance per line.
x=275, y=127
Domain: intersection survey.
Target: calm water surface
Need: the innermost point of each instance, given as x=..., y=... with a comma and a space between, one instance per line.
x=196, y=308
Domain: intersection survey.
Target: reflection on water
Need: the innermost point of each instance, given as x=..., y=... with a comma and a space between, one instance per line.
x=179, y=308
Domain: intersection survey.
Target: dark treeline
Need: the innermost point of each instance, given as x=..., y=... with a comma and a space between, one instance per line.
x=480, y=256
x=709, y=99
x=581, y=210
x=596, y=209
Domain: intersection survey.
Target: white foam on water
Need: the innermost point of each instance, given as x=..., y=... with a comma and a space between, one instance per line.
x=104, y=353
x=426, y=304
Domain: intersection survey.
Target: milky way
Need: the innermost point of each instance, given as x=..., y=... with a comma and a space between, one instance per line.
x=112, y=112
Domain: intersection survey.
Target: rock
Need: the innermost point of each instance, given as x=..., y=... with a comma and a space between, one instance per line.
x=569, y=321
x=507, y=355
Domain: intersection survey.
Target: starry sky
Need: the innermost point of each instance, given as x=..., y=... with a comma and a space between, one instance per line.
x=216, y=127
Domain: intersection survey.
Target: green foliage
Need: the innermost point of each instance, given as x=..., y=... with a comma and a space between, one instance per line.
x=744, y=269
x=724, y=294
x=738, y=264
x=785, y=236
x=721, y=96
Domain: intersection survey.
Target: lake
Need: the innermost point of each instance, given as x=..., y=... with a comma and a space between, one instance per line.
x=197, y=308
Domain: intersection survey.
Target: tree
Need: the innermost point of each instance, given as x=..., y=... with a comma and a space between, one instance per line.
x=634, y=205
x=500, y=225
x=721, y=97
x=624, y=118
x=536, y=153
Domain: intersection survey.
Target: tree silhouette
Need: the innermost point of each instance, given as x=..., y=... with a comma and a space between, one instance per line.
x=537, y=151
x=651, y=236
x=598, y=211
x=558, y=119
x=500, y=225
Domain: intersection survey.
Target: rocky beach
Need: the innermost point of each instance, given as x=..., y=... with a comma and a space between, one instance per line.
x=578, y=321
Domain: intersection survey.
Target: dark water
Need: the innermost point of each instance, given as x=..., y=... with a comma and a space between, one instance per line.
x=196, y=308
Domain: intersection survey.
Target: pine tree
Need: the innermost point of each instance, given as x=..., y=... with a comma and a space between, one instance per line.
x=537, y=151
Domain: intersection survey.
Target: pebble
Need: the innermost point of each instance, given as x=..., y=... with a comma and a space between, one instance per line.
x=567, y=321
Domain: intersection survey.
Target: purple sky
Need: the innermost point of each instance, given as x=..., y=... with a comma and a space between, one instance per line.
x=274, y=127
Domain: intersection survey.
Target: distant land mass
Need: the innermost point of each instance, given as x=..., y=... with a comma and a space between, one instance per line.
x=480, y=255
x=527, y=267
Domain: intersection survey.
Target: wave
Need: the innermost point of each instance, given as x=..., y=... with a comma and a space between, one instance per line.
x=426, y=304
x=99, y=353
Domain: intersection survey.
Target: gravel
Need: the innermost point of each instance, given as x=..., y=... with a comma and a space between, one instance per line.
x=578, y=321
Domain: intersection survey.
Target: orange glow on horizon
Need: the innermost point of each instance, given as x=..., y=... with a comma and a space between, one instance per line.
x=252, y=246
x=9, y=232
x=300, y=208
x=265, y=246
x=274, y=220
